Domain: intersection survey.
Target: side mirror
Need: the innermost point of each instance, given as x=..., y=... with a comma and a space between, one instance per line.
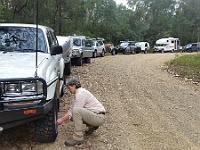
x=56, y=49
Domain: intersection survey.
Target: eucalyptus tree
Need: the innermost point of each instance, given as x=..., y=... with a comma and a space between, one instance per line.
x=188, y=21
x=152, y=19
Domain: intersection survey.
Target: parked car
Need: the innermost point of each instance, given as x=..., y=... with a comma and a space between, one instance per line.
x=191, y=47
x=111, y=48
x=97, y=46
x=128, y=47
x=31, y=78
x=79, y=52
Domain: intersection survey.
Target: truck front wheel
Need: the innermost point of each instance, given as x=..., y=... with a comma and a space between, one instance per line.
x=46, y=129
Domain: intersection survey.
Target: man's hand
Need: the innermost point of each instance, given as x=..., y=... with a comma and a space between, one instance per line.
x=59, y=121
x=65, y=118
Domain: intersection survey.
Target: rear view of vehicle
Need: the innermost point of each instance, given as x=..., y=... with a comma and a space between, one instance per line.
x=193, y=47
x=144, y=46
x=31, y=78
x=79, y=53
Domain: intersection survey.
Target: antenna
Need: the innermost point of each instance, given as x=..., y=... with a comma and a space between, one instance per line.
x=36, y=19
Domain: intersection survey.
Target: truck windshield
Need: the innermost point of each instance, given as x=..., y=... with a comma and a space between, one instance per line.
x=21, y=39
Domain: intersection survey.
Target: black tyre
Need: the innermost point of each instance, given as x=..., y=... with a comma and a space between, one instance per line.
x=87, y=60
x=46, y=129
x=79, y=61
x=68, y=68
x=113, y=52
x=133, y=52
x=103, y=53
x=94, y=55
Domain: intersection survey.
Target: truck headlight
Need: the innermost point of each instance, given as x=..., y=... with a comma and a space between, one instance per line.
x=12, y=88
x=32, y=87
x=28, y=87
x=22, y=87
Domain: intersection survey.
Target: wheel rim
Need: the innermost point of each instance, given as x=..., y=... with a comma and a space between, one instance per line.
x=95, y=54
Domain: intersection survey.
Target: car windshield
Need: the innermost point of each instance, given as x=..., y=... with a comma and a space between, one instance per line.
x=76, y=41
x=22, y=39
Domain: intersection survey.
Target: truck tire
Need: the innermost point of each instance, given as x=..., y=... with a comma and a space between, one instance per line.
x=68, y=68
x=103, y=53
x=79, y=61
x=113, y=52
x=94, y=55
x=133, y=52
x=87, y=60
x=46, y=129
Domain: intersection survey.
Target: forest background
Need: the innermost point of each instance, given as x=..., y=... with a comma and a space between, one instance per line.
x=140, y=20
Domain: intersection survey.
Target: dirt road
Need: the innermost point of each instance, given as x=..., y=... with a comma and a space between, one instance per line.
x=147, y=108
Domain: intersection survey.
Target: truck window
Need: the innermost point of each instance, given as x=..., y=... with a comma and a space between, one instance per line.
x=50, y=40
x=55, y=41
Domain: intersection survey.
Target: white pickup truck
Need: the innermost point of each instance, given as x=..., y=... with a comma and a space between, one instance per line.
x=31, y=78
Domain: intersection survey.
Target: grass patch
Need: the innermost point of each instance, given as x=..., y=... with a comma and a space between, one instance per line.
x=187, y=66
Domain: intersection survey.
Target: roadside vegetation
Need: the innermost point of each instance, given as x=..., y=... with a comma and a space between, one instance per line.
x=186, y=65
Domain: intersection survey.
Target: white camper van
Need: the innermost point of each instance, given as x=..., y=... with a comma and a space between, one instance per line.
x=167, y=44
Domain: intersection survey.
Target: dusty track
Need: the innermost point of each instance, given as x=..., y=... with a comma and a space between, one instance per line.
x=147, y=108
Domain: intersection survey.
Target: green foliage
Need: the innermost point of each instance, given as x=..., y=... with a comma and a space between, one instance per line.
x=143, y=20
x=187, y=66
x=1, y=14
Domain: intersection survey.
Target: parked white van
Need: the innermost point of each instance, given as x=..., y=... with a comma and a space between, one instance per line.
x=167, y=44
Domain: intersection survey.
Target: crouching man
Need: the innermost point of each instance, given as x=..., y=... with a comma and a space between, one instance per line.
x=85, y=109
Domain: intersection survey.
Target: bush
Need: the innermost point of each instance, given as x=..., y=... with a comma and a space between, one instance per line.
x=186, y=66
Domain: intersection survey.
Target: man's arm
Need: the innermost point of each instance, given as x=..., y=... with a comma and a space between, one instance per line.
x=66, y=117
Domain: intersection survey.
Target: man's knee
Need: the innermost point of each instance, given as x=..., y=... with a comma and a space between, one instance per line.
x=76, y=110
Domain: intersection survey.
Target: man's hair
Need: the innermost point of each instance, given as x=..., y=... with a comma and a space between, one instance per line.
x=73, y=81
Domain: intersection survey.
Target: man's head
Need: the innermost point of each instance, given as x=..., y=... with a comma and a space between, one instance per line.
x=73, y=84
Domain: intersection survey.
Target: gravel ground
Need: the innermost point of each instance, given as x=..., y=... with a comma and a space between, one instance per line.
x=147, y=108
